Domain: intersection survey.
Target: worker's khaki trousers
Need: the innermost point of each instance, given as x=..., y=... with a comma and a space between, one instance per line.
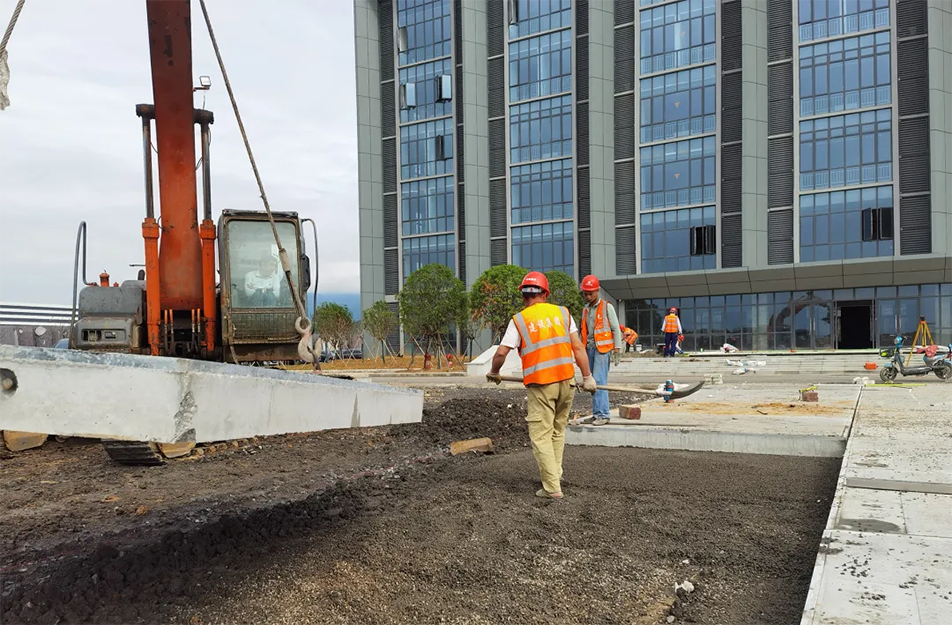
x=548, y=415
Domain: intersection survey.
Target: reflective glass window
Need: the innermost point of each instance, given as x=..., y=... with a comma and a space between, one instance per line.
x=844, y=75
x=544, y=247
x=424, y=79
x=846, y=150
x=540, y=66
x=425, y=30
x=420, y=251
x=846, y=224
x=256, y=276
x=678, y=173
x=426, y=149
x=677, y=35
x=666, y=240
x=538, y=16
x=541, y=191
x=679, y=104
x=540, y=129
x=427, y=206
x=830, y=18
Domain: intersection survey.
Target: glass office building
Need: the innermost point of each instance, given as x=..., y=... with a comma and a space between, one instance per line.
x=776, y=170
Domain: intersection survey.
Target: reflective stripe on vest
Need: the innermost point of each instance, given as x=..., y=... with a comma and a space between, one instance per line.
x=546, y=348
x=671, y=324
x=604, y=341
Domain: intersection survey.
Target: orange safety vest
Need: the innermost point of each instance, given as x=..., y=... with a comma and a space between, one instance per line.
x=604, y=342
x=671, y=324
x=546, y=348
x=630, y=336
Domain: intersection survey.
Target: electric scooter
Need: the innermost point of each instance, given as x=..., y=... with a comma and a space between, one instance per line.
x=938, y=364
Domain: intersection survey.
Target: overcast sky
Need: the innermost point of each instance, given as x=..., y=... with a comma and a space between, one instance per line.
x=70, y=143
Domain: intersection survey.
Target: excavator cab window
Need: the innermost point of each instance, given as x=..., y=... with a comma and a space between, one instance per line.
x=253, y=265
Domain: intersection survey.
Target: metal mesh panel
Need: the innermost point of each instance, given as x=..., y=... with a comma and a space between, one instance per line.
x=780, y=237
x=911, y=18
x=780, y=99
x=460, y=177
x=497, y=208
x=583, y=181
x=390, y=220
x=461, y=211
x=458, y=30
x=624, y=193
x=389, y=149
x=581, y=66
x=391, y=272
x=731, y=238
x=496, y=83
x=498, y=255
x=264, y=327
x=624, y=11
x=393, y=339
x=624, y=59
x=914, y=155
x=730, y=36
x=388, y=124
x=497, y=148
x=915, y=219
x=730, y=178
x=581, y=124
x=584, y=252
x=385, y=21
x=581, y=16
x=461, y=245
x=731, y=103
x=625, y=251
x=625, y=126
x=912, y=69
x=780, y=172
x=779, y=30
x=495, y=31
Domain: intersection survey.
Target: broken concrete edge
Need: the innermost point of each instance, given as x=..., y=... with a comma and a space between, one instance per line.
x=480, y=445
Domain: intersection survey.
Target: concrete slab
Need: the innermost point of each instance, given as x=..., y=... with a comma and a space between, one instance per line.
x=122, y=396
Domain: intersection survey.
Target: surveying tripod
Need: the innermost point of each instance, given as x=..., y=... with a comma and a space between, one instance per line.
x=923, y=333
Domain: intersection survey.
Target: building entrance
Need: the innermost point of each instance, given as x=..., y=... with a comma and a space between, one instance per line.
x=854, y=325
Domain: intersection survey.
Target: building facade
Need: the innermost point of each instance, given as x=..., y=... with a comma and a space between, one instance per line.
x=781, y=172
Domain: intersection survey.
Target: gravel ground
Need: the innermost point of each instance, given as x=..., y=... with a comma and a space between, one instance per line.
x=381, y=526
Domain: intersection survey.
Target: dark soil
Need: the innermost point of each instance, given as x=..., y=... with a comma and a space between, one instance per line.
x=381, y=526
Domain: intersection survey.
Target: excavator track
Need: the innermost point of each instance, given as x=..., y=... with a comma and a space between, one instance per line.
x=133, y=452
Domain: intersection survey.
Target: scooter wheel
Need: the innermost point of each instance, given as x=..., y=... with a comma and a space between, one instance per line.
x=944, y=372
x=887, y=374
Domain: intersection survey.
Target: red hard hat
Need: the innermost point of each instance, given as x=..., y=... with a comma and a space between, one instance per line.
x=673, y=310
x=535, y=279
x=589, y=283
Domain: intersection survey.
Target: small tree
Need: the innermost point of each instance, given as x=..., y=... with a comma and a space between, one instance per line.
x=379, y=321
x=564, y=291
x=432, y=300
x=333, y=323
x=495, y=298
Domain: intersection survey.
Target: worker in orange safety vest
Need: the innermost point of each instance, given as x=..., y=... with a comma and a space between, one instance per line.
x=548, y=343
x=601, y=336
x=671, y=328
x=629, y=336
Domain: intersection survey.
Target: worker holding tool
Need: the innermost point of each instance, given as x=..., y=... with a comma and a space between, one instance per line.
x=629, y=336
x=547, y=340
x=601, y=335
x=671, y=328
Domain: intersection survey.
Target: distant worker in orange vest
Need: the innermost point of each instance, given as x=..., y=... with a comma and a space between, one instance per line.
x=629, y=336
x=547, y=339
x=671, y=328
x=601, y=335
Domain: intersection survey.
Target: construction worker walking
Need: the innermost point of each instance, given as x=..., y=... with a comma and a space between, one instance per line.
x=601, y=335
x=548, y=343
x=671, y=328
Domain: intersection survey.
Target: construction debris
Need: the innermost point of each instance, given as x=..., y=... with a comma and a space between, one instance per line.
x=18, y=441
x=629, y=412
x=476, y=445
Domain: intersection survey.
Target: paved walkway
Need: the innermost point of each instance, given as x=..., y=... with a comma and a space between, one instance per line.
x=886, y=553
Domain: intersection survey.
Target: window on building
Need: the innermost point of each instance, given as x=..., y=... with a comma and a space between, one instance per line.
x=544, y=247
x=541, y=191
x=527, y=17
x=540, y=129
x=419, y=251
x=425, y=30
x=836, y=225
x=678, y=240
x=846, y=150
x=830, y=18
x=423, y=149
x=431, y=97
x=844, y=75
x=540, y=66
x=678, y=173
x=677, y=35
x=679, y=104
x=427, y=206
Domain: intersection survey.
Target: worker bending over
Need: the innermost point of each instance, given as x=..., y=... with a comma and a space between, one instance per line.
x=600, y=335
x=629, y=336
x=547, y=339
x=671, y=328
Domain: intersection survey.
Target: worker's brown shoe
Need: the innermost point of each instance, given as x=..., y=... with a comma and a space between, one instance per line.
x=547, y=495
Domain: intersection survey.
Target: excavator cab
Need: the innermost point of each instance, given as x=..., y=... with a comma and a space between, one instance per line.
x=257, y=310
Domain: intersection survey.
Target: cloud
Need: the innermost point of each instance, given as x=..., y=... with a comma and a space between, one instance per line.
x=70, y=143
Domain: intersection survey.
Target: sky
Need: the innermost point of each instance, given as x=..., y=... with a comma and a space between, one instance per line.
x=71, y=144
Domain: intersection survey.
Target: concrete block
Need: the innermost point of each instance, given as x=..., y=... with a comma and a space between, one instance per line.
x=480, y=445
x=810, y=396
x=166, y=400
x=629, y=412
